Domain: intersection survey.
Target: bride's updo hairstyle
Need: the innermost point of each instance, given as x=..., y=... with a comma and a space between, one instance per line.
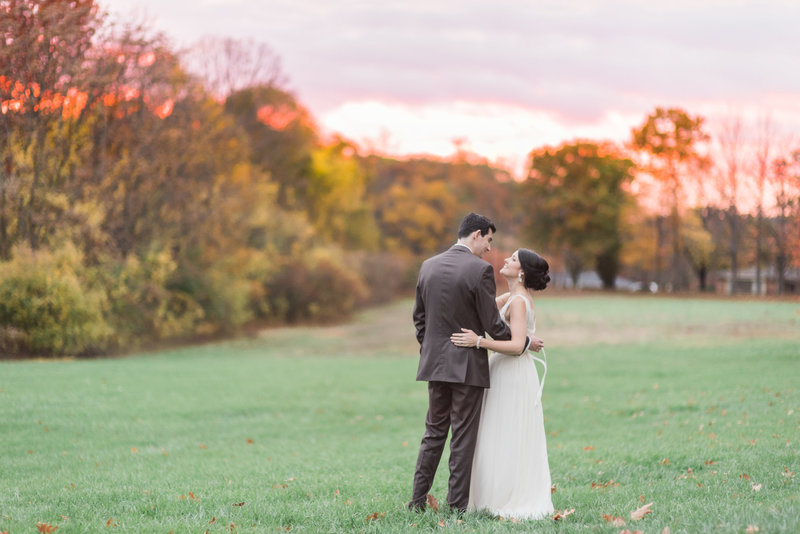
x=535, y=269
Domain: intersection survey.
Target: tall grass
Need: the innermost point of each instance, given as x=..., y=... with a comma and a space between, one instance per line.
x=690, y=404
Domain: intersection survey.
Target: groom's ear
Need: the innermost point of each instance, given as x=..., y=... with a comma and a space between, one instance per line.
x=475, y=235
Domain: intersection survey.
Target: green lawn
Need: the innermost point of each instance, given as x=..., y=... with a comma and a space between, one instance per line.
x=691, y=404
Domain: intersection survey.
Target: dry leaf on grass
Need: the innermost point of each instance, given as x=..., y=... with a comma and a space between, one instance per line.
x=616, y=521
x=433, y=503
x=561, y=515
x=751, y=529
x=375, y=516
x=641, y=512
x=45, y=528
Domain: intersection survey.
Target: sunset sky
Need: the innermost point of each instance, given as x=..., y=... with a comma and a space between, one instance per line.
x=507, y=76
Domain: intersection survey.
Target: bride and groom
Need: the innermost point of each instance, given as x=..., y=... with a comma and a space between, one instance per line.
x=498, y=451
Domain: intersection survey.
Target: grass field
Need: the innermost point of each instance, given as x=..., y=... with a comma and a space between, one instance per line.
x=690, y=404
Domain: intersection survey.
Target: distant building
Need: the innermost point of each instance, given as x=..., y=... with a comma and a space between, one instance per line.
x=591, y=280
x=745, y=281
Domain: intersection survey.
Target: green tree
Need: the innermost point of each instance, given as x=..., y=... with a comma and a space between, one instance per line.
x=669, y=145
x=575, y=195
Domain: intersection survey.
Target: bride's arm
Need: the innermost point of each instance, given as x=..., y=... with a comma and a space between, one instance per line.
x=512, y=347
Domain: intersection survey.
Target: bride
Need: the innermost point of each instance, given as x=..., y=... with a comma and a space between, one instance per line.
x=510, y=471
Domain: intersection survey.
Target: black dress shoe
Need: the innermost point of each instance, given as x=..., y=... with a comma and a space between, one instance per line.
x=418, y=507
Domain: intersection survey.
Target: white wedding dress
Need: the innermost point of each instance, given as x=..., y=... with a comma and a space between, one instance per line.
x=510, y=471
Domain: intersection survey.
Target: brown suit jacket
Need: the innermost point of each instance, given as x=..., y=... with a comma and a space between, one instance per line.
x=455, y=290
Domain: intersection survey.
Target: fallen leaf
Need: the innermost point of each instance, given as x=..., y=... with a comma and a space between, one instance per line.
x=238, y=503
x=336, y=493
x=626, y=531
x=46, y=528
x=348, y=502
x=433, y=503
x=203, y=446
x=134, y=450
x=375, y=516
x=589, y=448
x=561, y=515
x=552, y=489
x=787, y=473
x=213, y=520
x=665, y=461
x=64, y=517
x=641, y=498
x=709, y=462
x=604, y=484
x=665, y=531
x=616, y=521
x=641, y=512
x=250, y=441
x=441, y=523
x=191, y=496
x=110, y=520
x=745, y=476
x=751, y=529
x=756, y=487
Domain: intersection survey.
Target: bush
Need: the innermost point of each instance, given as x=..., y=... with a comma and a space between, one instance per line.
x=143, y=305
x=385, y=275
x=314, y=285
x=47, y=307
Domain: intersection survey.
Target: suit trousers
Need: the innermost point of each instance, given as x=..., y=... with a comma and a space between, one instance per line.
x=455, y=406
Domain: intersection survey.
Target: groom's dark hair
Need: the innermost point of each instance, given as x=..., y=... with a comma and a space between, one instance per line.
x=475, y=221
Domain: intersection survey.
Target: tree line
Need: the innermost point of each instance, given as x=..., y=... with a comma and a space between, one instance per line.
x=150, y=195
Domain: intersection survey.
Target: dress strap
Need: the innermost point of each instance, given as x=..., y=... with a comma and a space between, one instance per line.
x=544, y=374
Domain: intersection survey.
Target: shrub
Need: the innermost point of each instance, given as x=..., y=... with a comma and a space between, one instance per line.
x=314, y=285
x=144, y=306
x=385, y=275
x=47, y=307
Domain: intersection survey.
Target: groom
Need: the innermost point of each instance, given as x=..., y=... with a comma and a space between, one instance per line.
x=455, y=290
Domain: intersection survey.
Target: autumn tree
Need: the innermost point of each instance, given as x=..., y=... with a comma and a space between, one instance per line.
x=763, y=155
x=226, y=65
x=281, y=136
x=729, y=183
x=575, y=195
x=43, y=92
x=669, y=147
x=336, y=200
x=785, y=181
